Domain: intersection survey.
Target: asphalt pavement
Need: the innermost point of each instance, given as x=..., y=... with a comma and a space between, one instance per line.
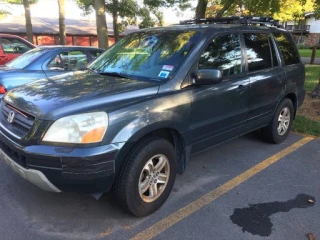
x=306, y=60
x=242, y=189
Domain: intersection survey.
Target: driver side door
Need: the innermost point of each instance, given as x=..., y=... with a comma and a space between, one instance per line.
x=219, y=111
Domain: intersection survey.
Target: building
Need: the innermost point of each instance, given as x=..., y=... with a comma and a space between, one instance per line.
x=306, y=31
x=80, y=32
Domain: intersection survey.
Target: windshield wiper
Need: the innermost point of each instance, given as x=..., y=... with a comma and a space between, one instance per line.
x=114, y=74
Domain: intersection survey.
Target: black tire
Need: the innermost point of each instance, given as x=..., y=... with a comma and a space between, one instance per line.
x=126, y=188
x=270, y=133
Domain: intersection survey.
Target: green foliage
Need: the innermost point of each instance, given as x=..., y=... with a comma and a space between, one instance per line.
x=312, y=77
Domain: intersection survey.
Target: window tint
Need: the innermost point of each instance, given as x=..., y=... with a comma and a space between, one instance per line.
x=287, y=48
x=13, y=45
x=68, y=61
x=258, y=51
x=224, y=53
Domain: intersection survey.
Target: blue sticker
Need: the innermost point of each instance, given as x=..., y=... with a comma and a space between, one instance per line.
x=164, y=74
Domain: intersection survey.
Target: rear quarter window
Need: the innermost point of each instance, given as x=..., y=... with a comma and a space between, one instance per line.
x=287, y=48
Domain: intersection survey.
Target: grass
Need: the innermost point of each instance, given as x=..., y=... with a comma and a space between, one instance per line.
x=301, y=123
x=308, y=52
x=312, y=77
x=304, y=125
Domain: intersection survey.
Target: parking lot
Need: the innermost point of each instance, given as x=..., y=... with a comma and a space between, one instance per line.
x=242, y=189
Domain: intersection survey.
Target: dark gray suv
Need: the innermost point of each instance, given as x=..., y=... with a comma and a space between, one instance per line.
x=132, y=120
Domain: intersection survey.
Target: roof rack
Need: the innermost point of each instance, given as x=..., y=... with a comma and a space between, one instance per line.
x=262, y=21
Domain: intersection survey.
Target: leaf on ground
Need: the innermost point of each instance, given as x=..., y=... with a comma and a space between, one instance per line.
x=106, y=233
x=126, y=226
x=311, y=236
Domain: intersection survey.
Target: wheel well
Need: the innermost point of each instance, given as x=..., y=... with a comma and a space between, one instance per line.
x=176, y=139
x=294, y=101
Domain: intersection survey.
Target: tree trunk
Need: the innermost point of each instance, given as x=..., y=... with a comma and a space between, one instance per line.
x=102, y=30
x=225, y=7
x=115, y=20
x=62, y=26
x=313, y=55
x=28, y=20
x=316, y=92
x=201, y=9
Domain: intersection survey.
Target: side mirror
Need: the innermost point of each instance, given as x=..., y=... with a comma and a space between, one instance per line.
x=208, y=76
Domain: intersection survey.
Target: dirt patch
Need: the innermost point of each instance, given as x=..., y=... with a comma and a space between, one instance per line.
x=310, y=108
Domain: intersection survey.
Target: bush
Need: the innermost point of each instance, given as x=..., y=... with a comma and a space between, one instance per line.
x=302, y=46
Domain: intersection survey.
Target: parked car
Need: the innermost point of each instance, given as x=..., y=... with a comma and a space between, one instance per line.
x=12, y=46
x=44, y=61
x=134, y=118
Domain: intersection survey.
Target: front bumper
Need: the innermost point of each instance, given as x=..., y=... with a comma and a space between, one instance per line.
x=52, y=168
x=34, y=176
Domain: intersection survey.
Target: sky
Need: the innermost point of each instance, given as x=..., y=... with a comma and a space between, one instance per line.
x=49, y=8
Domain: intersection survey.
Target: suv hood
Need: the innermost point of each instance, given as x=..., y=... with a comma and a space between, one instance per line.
x=77, y=92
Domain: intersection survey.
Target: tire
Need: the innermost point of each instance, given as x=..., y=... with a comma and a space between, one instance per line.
x=129, y=188
x=273, y=132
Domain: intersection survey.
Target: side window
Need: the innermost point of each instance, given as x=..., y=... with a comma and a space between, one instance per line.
x=95, y=53
x=287, y=48
x=224, y=53
x=258, y=51
x=13, y=45
x=68, y=61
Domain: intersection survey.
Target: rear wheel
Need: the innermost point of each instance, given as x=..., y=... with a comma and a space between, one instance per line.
x=147, y=177
x=280, y=126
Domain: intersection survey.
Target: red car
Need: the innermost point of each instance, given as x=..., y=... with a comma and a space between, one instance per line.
x=12, y=46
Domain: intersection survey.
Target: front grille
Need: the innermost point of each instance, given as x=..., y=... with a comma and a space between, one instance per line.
x=14, y=155
x=22, y=121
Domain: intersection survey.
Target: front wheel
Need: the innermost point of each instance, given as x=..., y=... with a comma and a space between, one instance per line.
x=147, y=177
x=280, y=126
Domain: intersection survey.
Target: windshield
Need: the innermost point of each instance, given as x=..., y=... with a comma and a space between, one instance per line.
x=151, y=55
x=25, y=59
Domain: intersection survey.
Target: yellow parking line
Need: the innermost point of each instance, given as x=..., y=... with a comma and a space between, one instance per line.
x=184, y=212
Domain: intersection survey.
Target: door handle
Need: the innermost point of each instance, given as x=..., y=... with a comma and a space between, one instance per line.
x=281, y=76
x=241, y=86
x=4, y=57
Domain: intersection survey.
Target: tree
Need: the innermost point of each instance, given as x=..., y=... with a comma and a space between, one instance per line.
x=201, y=9
x=26, y=5
x=62, y=26
x=99, y=7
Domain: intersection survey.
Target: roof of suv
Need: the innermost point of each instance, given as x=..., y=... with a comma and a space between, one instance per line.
x=242, y=23
x=212, y=26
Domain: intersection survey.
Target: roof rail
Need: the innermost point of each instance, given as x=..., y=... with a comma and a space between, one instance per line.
x=262, y=21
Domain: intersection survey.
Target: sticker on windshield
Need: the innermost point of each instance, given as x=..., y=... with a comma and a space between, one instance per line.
x=164, y=74
x=168, y=67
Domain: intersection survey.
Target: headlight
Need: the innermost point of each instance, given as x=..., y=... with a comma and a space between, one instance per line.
x=81, y=128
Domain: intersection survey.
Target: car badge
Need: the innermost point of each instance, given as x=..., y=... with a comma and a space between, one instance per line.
x=11, y=116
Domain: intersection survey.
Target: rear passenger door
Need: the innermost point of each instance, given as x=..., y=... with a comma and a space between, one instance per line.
x=267, y=77
x=292, y=64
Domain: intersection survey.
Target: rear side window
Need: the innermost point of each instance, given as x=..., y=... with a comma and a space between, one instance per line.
x=95, y=53
x=259, y=54
x=224, y=53
x=287, y=48
x=68, y=61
